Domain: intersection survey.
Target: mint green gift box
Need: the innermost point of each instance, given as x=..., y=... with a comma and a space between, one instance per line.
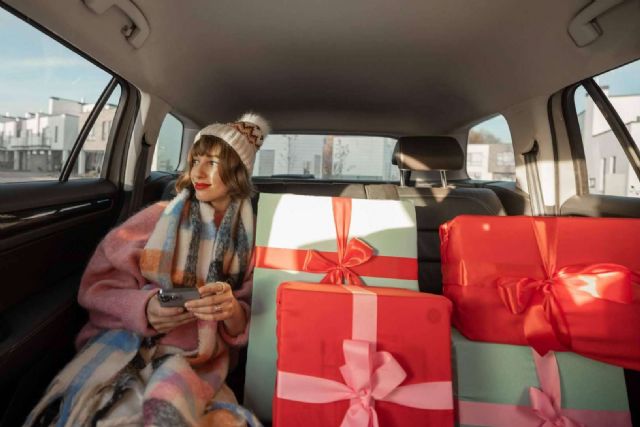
x=502, y=374
x=299, y=223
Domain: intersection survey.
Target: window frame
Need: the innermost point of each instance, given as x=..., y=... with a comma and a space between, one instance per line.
x=576, y=144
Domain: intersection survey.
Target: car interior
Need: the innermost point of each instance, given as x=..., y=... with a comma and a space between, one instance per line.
x=429, y=79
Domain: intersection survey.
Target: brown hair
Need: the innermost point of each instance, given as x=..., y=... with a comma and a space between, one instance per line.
x=231, y=169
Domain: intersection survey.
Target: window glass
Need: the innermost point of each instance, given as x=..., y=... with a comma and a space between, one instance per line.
x=327, y=157
x=45, y=89
x=490, y=151
x=166, y=155
x=608, y=168
x=90, y=160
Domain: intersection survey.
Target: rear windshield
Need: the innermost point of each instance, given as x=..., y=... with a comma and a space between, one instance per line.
x=327, y=157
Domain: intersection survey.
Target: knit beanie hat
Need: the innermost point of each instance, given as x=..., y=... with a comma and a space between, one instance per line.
x=245, y=136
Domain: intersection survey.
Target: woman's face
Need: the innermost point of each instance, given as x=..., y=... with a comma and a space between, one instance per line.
x=206, y=180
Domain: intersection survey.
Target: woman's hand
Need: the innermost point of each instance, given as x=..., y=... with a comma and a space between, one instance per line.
x=218, y=303
x=164, y=319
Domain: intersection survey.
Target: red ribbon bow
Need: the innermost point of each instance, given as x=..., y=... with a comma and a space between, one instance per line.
x=350, y=254
x=545, y=325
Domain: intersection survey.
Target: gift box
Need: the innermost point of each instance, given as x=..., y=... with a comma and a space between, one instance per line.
x=321, y=239
x=360, y=356
x=503, y=385
x=562, y=284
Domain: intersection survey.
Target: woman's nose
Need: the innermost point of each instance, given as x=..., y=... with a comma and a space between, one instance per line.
x=198, y=171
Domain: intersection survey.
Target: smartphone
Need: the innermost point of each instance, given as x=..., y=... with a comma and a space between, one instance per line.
x=176, y=297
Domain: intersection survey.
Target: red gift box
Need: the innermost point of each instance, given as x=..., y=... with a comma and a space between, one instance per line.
x=566, y=284
x=362, y=356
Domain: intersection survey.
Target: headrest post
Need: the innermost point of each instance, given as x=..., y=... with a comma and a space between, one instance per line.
x=405, y=175
x=443, y=178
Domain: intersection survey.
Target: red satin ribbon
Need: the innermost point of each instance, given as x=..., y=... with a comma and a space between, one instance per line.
x=350, y=254
x=545, y=325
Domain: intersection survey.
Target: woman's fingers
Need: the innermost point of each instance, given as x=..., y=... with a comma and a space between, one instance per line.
x=164, y=324
x=208, y=301
x=216, y=288
x=213, y=308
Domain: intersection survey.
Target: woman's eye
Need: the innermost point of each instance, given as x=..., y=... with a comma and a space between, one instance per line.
x=212, y=163
x=195, y=162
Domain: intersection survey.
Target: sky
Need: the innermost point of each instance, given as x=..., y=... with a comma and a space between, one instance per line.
x=34, y=67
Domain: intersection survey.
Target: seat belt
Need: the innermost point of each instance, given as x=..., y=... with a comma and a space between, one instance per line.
x=533, y=180
x=139, y=176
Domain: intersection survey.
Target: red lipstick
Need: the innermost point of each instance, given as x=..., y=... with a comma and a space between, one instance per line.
x=201, y=186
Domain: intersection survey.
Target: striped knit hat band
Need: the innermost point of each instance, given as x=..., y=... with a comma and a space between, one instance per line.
x=245, y=136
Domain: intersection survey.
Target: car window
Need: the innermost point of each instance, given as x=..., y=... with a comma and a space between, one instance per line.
x=46, y=94
x=490, y=151
x=91, y=157
x=608, y=168
x=327, y=157
x=166, y=156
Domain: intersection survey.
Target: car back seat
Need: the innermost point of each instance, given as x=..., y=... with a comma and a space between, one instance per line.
x=434, y=205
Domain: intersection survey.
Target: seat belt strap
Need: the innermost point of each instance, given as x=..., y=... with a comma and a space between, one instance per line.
x=533, y=180
x=139, y=176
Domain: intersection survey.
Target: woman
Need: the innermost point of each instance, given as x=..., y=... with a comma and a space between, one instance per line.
x=149, y=364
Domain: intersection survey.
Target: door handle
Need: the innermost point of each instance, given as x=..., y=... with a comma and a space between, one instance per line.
x=583, y=28
x=139, y=29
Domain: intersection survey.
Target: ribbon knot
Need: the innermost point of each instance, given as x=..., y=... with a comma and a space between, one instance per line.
x=357, y=252
x=351, y=253
x=369, y=375
x=545, y=325
x=546, y=400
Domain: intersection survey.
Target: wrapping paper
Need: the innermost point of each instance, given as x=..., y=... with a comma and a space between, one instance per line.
x=502, y=385
x=321, y=239
x=354, y=356
x=556, y=284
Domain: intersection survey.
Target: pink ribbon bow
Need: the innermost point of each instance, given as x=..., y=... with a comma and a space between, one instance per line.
x=368, y=376
x=545, y=409
x=545, y=401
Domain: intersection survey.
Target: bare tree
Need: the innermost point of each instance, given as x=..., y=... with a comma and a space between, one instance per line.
x=483, y=137
x=340, y=153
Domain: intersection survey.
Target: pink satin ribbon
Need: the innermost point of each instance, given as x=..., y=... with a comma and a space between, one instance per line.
x=368, y=375
x=545, y=409
x=350, y=253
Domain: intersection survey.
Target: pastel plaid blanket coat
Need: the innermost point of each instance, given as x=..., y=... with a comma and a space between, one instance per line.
x=167, y=380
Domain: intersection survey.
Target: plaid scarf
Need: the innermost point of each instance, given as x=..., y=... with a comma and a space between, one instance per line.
x=186, y=249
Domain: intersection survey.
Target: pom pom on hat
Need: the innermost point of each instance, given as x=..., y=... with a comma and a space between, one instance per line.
x=245, y=136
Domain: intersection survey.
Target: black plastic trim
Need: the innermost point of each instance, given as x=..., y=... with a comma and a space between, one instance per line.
x=86, y=128
x=556, y=156
x=575, y=139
